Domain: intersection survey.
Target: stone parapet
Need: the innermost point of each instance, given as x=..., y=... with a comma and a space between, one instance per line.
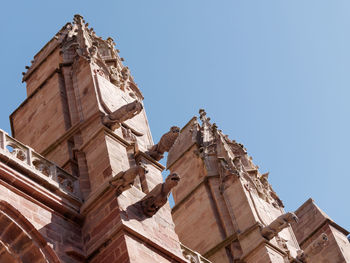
x=193, y=256
x=40, y=170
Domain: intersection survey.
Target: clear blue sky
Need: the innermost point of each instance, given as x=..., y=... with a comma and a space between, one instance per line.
x=274, y=75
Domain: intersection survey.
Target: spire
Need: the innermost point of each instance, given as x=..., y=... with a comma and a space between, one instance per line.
x=78, y=40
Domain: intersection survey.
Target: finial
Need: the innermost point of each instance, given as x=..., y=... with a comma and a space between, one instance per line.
x=110, y=41
x=78, y=19
x=265, y=176
x=202, y=114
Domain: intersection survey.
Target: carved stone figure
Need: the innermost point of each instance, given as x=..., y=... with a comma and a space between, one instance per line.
x=164, y=144
x=125, y=72
x=110, y=42
x=239, y=166
x=122, y=114
x=124, y=180
x=278, y=225
x=93, y=52
x=158, y=197
x=114, y=75
x=313, y=249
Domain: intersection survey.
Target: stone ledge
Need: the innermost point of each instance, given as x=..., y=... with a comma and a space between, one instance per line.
x=23, y=186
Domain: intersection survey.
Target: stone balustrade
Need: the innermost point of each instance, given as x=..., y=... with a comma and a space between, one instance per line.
x=192, y=256
x=44, y=170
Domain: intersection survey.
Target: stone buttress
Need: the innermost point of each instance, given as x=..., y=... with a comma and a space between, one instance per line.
x=85, y=113
x=223, y=194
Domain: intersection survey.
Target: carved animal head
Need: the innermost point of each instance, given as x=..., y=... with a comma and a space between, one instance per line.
x=324, y=237
x=136, y=106
x=175, y=129
x=292, y=217
x=172, y=180
x=125, y=73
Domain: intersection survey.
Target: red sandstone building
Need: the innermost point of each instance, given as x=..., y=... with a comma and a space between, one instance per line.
x=80, y=179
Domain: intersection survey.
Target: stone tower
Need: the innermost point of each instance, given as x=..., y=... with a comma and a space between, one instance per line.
x=85, y=113
x=230, y=203
x=80, y=179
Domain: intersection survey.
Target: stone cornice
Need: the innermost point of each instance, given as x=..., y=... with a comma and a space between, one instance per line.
x=38, y=194
x=40, y=61
x=263, y=242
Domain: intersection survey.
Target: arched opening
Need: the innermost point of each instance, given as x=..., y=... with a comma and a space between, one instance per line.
x=20, y=241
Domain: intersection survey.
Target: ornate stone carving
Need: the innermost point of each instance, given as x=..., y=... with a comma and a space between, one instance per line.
x=125, y=72
x=124, y=180
x=158, y=197
x=227, y=170
x=65, y=182
x=122, y=114
x=19, y=153
x=192, y=256
x=164, y=144
x=114, y=76
x=41, y=166
x=278, y=225
x=16, y=151
x=313, y=249
x=93, y=50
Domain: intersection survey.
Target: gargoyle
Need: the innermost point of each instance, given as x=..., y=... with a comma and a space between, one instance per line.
x=122, y=114
x=313, y=249
x=164, y=144
x=278, y=225
x=124, y=180
x=158, y=197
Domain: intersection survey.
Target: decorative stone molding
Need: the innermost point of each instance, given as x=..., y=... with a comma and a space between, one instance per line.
x=192, y=256
x=49, y=172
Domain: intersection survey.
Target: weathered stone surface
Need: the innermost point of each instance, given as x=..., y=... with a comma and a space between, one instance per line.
x=313, y=223
x=82, y=196
x=124, y=180
x=230, y=199
x=73, y=83
x=165, y=143
x=122, y=114
x=280, y=223
x=159, y=195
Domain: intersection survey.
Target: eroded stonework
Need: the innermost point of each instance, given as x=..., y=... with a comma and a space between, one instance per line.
x=237, y=215
x=80, y=179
